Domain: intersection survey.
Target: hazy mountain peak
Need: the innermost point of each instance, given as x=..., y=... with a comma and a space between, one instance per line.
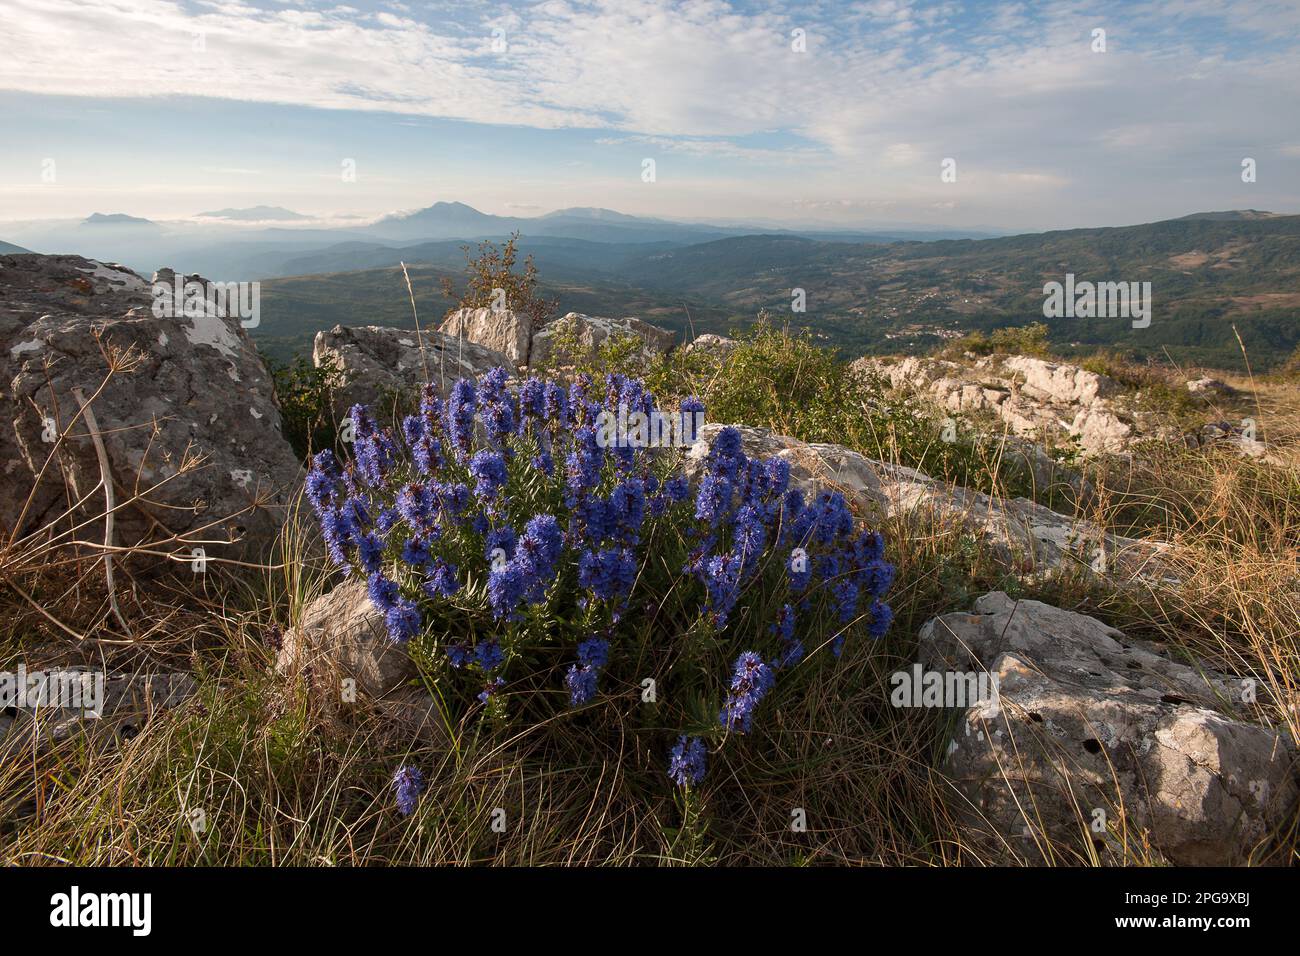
x=590, y=212
x=115, y=219
x=441, y=211
x=444, y=208
x=254, y=214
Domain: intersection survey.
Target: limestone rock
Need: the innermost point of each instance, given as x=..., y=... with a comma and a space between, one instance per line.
x=718, y=346
x=1038, y=399
x=378, y=363
x=342, y=635
x=499, y=330
x=1059, y=383
x=1095, y=736
x=1210, y=388
x=189, y=420
x=1032, y=539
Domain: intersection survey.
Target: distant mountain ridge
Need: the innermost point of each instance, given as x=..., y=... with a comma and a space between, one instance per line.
x=1208, y=273
x=116, y=219
x=593, y=212
x=245, y=243
x=1234, y=215
x=255, y=214
x=456, y=220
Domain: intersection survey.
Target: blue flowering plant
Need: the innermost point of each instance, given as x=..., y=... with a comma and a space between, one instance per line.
x=532, y=553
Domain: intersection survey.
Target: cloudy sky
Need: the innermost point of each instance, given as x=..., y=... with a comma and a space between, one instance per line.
x=820, y=111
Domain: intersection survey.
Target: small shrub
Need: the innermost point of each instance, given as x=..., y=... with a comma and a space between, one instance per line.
x=528, y=555
x=304, y=393
x=493, y=278
x=1029, y=339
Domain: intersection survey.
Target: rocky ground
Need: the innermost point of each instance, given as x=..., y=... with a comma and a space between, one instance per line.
x=1181, y=758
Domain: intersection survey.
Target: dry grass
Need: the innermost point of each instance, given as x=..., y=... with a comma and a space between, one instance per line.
x=254, y=770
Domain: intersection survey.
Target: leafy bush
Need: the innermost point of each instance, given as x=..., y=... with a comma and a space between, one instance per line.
x=1029, y=339
x=512, y=536
x=303, y=391
x=782, y=380
x=493, y=282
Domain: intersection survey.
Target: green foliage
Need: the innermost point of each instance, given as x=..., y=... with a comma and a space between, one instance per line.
x=1029, y=339
x=569, y=357
x=689, y=844
x=304, y=394
x=783, y=380
x=781, y=377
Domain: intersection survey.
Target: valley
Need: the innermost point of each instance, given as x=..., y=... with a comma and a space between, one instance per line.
x=1213, y=276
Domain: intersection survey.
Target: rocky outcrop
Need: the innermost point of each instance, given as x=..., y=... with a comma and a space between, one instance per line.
x=513, y=334
x=377, y=363
x=499, y=330
x=718, y=346
x=1038, y=399
x=130, y=701
x=1092, y=740
x=1057, y=383
x=188, y=418
x=1029, y=538
x=1210, y=388
x=592, y=331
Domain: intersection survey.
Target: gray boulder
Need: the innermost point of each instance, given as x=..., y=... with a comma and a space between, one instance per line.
x=717, y=346
x=188, y=418
x=341, y=638
x=1096, y=743
x=1027, y=537
x=1210, y=388
x=342, y=635
x=499, y=330
x=378, y=363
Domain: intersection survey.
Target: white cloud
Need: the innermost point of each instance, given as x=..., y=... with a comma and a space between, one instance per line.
x=885, y=90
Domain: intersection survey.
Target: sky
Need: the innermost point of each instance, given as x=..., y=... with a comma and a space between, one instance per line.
x=819, y=112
